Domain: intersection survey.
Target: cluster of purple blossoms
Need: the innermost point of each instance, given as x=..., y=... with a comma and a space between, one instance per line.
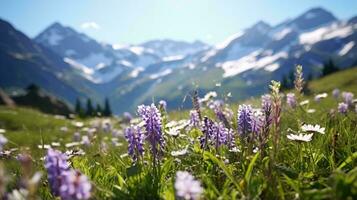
x=245, y=117
x=342, y=108
x=336, y=93
x=65, y=182
x=216, y=134
x=257, y=122
x=347, y=98
x=194, y=119
x=74, y=186
x=291, y=100
x=218, y=108
x=152, y=119
x=266, y=103
x=127, y=117
x=55, y=164
x=136, y=142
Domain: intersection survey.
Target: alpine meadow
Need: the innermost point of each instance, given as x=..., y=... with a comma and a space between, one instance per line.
x=107, y=107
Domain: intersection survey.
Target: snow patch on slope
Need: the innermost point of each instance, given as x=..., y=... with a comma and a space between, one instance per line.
x=346, y=48
x=232, y=68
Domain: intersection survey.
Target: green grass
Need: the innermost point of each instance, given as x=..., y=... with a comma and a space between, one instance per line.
x=324, y=168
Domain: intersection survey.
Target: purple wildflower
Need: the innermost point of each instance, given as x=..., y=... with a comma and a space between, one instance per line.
x=152, y=118
x=291, y=100
x=74, y=186
x=196, y=104
x=194, y=119
x=336, y=93
x=76, y=137
x=342, y=108
x=55, y=164
x=220, y=135
x=127, y=117
x=347, y=98
x=266, y=103
x=162, y=105
x=208, y=130
x=257, y=122
x=136, y=142
x=245, y=114
x=218, y=107
x=187, y=187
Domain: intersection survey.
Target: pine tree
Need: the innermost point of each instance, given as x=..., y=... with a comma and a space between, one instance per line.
x=90, y=109
x=98, y=110
x=329, y=67
x=107, y=110
x=78, y=107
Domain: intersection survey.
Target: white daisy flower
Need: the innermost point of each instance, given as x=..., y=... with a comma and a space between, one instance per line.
x=300, y=137
x=318, y=97
x=304, y=102
x=311, y=110
x=78, y=124
x=313, y=128
x=179, y=152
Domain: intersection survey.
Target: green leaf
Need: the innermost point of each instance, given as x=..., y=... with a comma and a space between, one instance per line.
x=226, y=170
x=248, y=173
x=348, y=160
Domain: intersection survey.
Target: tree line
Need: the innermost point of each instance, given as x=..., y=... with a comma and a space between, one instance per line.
x=90, y=111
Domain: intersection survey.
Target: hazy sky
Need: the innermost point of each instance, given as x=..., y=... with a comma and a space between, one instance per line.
x=135, y=21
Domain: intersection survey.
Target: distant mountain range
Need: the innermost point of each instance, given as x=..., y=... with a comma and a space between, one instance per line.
x=70, y=64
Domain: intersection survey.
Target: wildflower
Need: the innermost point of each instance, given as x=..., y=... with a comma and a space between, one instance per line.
x=217, y=107
x=136, y=142
x=299, y=80
x=55, y=164
x=208, y=96
x=208, y=130
x=76, y=137
x=179, y=152
x=266, y=103
x=291, y=100
x=304, y=102
x=78, y=124
x=245, y=115
x=347, y=98
x=300, y=137
x=275, y=93
x=152, y=119
x=127, y=117
x=162, y=105
x=74, y=186
x=320, y=96
x=313, y=128
x=194, y=119
x=3, y=141
x=85, y=140
x=311, y=110
x=342, y=108
x=196, y=104
x=257, y=122
x=336, y=93
x=187, y=187
x=64, y=129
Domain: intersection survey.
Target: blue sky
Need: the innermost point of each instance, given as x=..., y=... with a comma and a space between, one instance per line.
x=136, y=21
